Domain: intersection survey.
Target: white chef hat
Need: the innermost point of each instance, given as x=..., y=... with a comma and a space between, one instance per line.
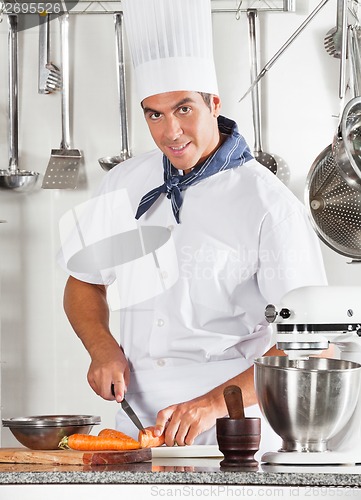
x=171, y=45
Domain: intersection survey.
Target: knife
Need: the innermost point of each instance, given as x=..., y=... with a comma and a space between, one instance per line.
x=130, y=412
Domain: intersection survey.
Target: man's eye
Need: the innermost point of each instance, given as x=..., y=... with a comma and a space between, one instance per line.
x=154, y=116
x=184, y=109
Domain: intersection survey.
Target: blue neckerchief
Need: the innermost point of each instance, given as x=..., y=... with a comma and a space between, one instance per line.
x=231, y=154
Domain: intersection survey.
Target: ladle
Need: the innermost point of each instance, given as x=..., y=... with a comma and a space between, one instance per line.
x=13, y=178
x=266, y=159
x=108, y=162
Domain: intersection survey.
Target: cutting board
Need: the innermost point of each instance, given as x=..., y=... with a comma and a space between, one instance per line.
x=73, y=457
x=192, y=451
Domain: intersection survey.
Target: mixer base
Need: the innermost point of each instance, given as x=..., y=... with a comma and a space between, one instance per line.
x=309, y=458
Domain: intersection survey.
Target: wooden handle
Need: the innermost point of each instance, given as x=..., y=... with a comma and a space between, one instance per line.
x=234, y=401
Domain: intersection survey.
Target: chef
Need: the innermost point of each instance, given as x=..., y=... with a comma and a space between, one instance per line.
x=231, y=238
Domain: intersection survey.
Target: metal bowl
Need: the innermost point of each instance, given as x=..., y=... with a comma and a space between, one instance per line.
x=44, y=432
x=306, y=401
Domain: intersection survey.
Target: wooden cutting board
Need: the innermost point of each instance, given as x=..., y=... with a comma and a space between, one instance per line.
x=73, y=457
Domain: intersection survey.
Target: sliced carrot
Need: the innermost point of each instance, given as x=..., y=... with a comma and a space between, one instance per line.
x=112, y=433
x=86, y=442
x=148, y=440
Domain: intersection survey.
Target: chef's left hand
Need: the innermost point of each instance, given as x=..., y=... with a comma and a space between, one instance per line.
x=183, y=422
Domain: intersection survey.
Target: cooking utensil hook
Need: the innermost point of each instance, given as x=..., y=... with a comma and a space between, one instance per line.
x=238, y=11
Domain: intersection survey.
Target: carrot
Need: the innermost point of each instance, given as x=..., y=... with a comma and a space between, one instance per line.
x=86, y=442
x=112, y=433
x=148, y=440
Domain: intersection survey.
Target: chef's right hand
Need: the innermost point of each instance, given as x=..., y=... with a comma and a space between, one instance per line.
x=109, y=366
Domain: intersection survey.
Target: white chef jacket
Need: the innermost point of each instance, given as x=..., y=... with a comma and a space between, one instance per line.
x=244, y=241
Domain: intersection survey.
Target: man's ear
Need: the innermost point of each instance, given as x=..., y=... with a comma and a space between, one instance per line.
x=216, y=105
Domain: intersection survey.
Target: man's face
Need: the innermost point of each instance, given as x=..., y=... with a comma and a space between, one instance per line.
x=182, y=126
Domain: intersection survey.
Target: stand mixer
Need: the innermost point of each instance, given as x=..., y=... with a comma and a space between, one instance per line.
x=305, y=323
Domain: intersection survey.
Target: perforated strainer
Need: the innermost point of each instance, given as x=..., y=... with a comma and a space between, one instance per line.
x=334, y=207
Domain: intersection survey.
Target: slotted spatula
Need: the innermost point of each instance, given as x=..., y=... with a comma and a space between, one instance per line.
x=63, y=168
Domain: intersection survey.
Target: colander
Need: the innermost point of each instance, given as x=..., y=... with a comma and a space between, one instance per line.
x=334, y=206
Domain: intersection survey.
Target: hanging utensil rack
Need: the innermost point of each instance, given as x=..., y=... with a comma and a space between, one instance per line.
x=110, y=7
x=231, y=6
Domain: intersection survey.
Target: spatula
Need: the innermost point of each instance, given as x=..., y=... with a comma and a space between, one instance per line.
x=63, y=168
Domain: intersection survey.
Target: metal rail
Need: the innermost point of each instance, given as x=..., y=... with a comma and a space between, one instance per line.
x=110, y=6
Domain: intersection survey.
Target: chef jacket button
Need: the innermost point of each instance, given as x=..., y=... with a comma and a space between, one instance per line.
x=164, y=275
x=160, y=322
x=160, y=362
x=171, y=227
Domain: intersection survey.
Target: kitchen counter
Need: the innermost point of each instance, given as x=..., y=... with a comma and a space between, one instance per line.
x=177, y=471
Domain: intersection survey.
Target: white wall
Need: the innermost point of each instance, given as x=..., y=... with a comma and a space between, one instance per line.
x=43, y=364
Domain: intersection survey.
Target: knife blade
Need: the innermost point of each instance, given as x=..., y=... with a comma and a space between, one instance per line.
x=130, y=412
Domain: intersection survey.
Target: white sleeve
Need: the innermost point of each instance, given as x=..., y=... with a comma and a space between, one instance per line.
x=290, y=255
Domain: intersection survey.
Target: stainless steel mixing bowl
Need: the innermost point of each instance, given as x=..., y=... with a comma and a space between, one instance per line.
x=44, y=432
x=308, y=401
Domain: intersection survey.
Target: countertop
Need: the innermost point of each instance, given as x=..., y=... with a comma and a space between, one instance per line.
x=183, y=470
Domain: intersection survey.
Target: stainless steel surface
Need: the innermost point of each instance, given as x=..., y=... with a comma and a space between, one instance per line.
x=333, y=185
x=131, y=414
x=63, y=168
x=307, y=401
x=49, y=79
x=266, y=159
x=346, y=144
x=13, y=178
x=344, y=36
x=109, y=162
x=333, y=38
x=218, y=6
x=334, y=207
x=44, y=432
x=271, y=62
